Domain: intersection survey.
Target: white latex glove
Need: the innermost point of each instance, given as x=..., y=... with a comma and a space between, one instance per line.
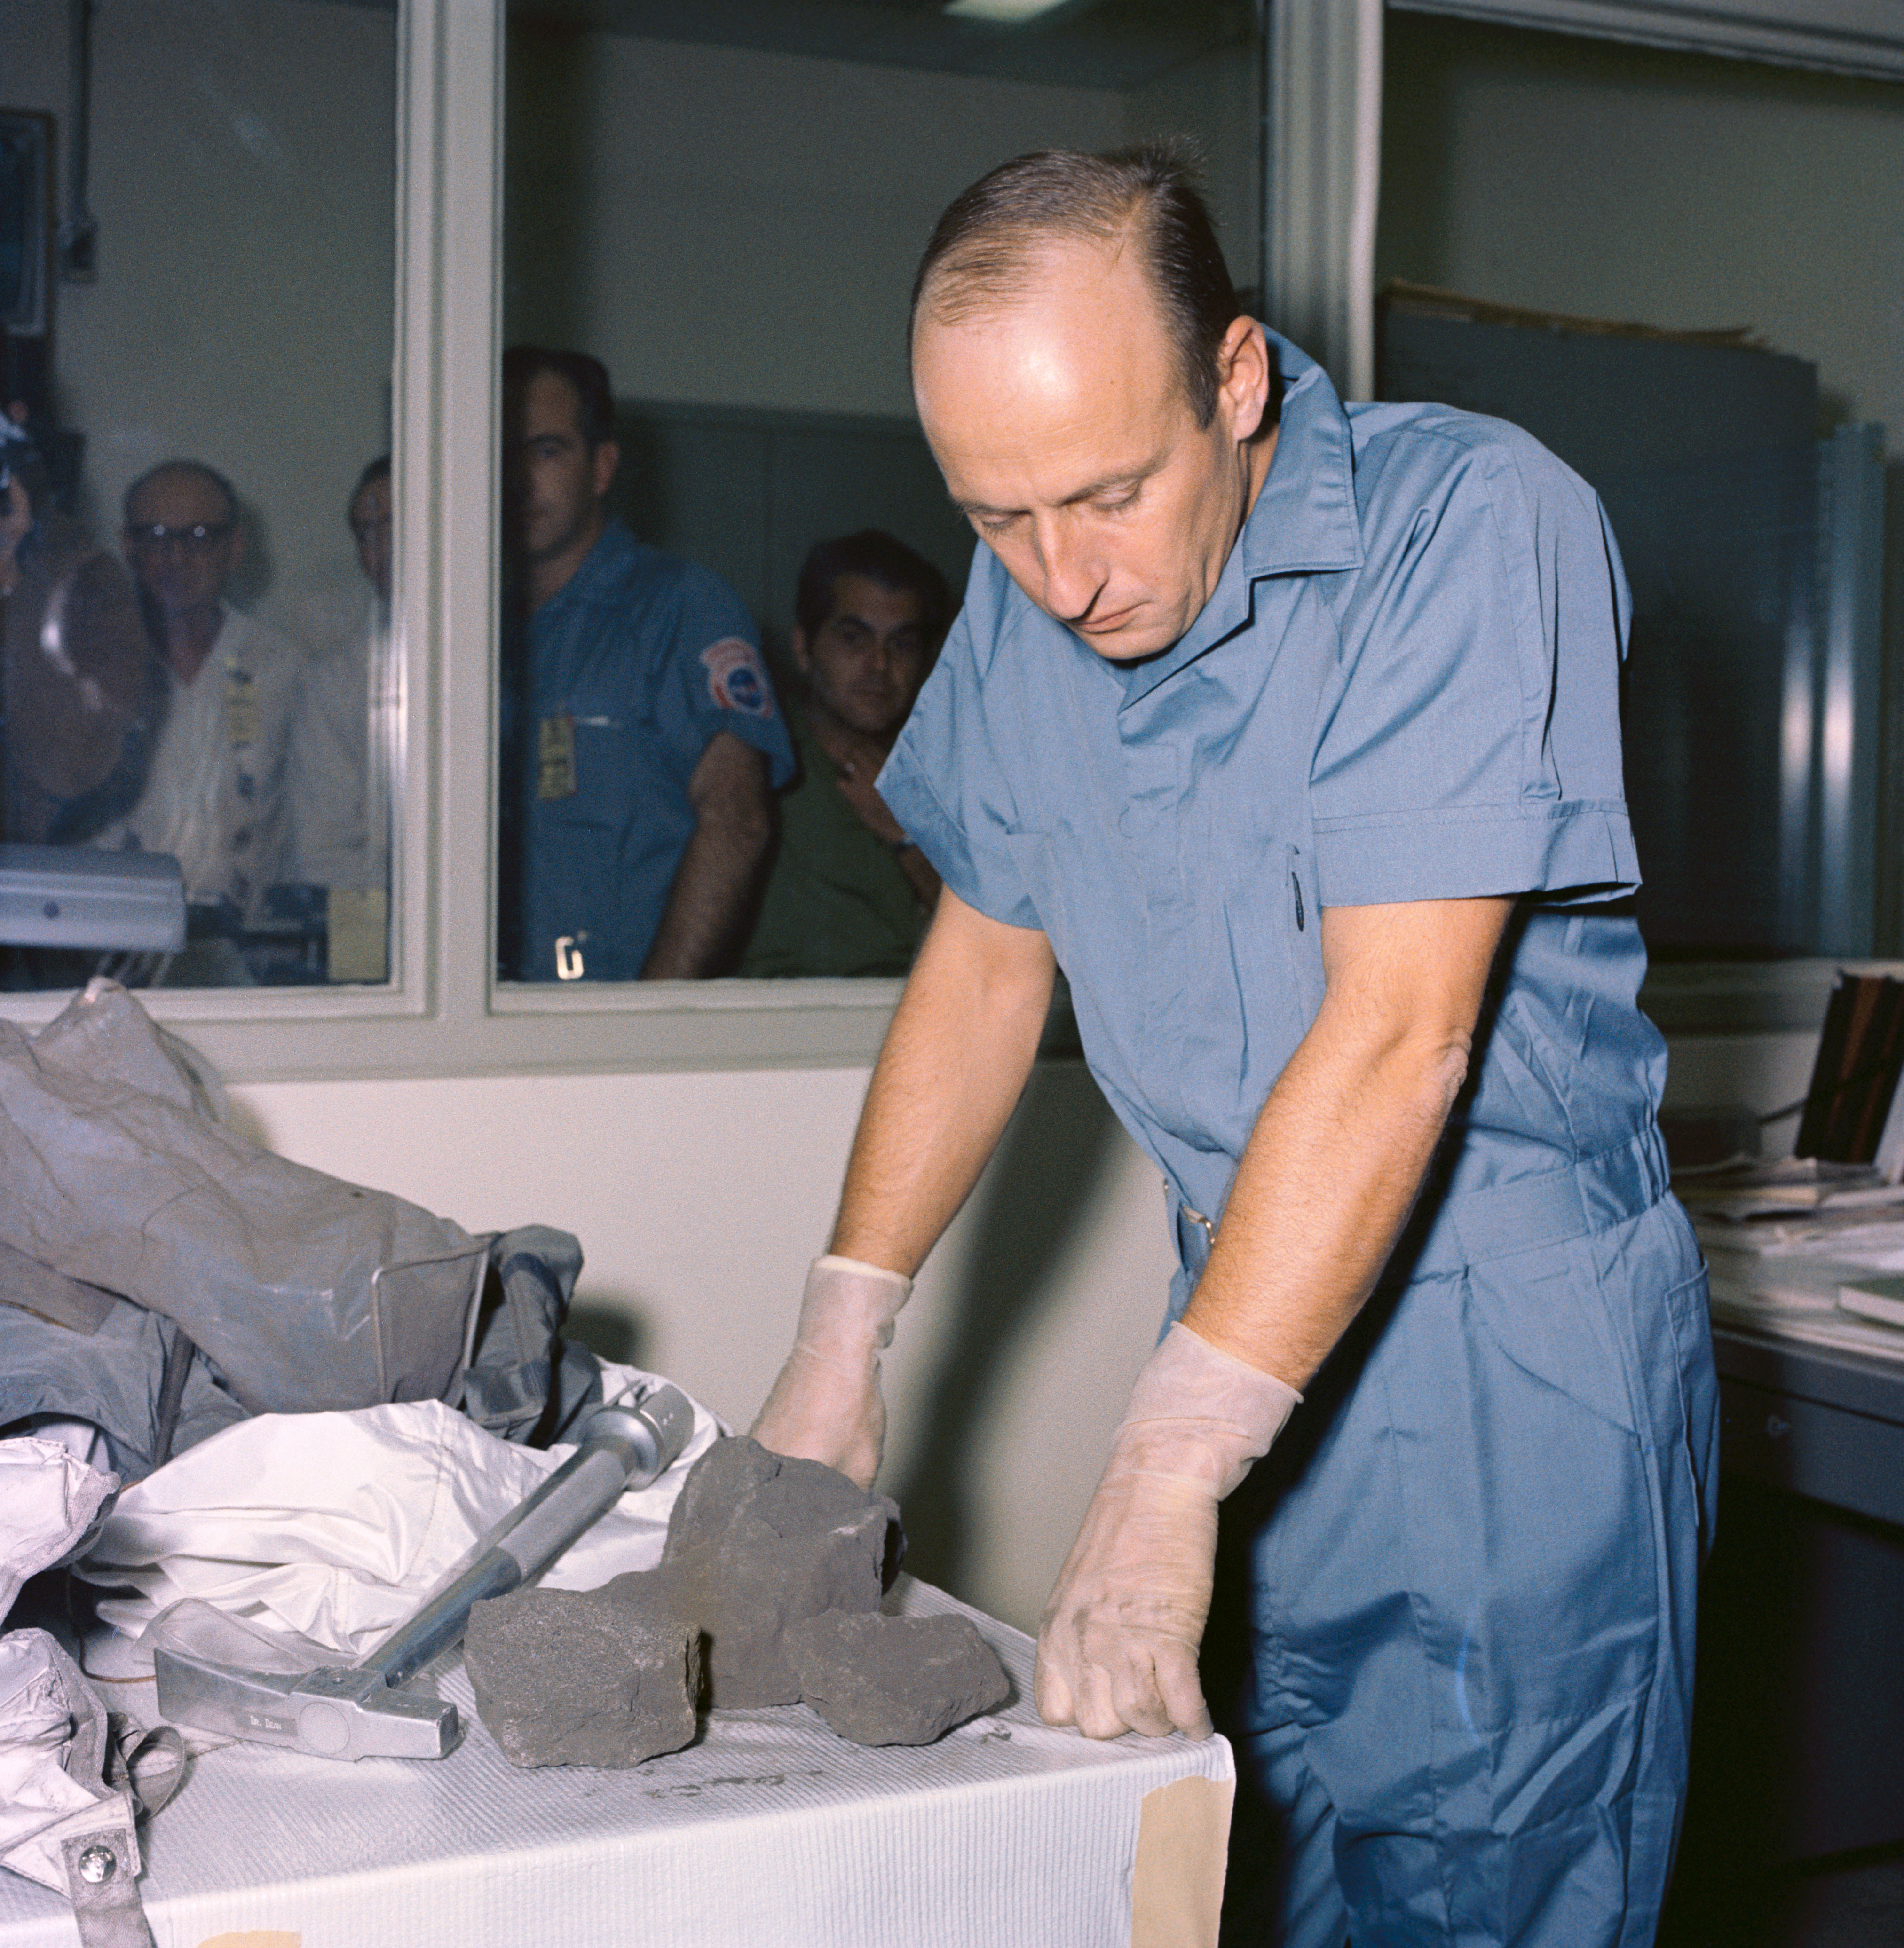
x=826, y=1405
x=1117, y=1648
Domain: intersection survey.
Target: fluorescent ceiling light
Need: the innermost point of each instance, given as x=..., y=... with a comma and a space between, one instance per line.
x=1002, y=13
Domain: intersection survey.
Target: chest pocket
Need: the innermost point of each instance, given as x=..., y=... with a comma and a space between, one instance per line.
x=1271, y=921
x=589, y=769
x=1302, y=933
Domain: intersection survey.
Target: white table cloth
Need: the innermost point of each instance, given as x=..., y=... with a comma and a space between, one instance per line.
x=770, y=1832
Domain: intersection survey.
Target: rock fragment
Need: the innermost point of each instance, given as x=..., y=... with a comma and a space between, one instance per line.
x=758, y=1542
x=883, y=1680
x=589, y=1677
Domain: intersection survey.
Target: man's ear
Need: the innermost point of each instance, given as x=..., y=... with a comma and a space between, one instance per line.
x=1243, y=378
x=605, y=459
x=802, y=651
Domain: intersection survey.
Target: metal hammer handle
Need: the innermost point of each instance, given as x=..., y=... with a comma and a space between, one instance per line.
x=624, y=1445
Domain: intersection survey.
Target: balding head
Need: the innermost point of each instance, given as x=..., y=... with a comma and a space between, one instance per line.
x=189, y=473
x=994, y=242
x=183, y=541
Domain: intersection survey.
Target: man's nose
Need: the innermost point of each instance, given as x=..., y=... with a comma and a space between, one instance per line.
x=1073, y=574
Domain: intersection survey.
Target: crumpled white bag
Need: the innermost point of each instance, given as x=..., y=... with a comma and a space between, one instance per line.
x=48, y=1499
x=52, y=1756
x=52, y=1726
x=331, y=1528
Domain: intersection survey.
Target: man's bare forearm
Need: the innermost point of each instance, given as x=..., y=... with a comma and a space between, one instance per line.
x=954, y=1066
x=920, y=875
x=1338, y=1154
x=713, y=898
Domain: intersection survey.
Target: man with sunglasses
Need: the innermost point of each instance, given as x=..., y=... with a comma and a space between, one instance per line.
x=214, y=796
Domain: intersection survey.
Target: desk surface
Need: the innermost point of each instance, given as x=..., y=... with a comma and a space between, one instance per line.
x=770, y=1831
x=1838, y=1376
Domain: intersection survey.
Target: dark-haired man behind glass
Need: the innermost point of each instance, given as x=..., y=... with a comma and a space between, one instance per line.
x=850, y=893
x=641, y=741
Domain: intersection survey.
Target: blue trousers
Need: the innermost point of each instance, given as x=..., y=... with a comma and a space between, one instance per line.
x=1454, y=1637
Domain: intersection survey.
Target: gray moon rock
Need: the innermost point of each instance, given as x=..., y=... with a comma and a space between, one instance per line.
x=883, y=1680
x=586, y=1677
x=756, y=1543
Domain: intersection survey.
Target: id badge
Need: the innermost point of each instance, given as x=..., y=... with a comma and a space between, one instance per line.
x=240, y=710
x=555, y=758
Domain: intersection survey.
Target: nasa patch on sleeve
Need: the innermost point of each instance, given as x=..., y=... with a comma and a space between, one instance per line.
x=736, y=679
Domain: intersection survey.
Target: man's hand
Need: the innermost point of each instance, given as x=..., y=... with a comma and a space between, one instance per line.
x=855, y=766
x=954, y=1062
x=1117, y=1648
x=825, y=1406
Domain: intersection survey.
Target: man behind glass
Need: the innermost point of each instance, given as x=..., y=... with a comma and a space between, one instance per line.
x=850, y=893
x=641, y=742
x=341, y=747
x=215, y=795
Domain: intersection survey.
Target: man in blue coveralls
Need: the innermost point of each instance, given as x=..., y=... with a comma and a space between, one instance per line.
x=641, y=739
x=1290, y=732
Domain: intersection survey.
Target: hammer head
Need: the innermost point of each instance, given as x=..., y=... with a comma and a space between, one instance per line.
x=335, y=1714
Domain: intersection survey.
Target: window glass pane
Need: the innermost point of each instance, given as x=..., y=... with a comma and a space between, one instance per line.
x=197, y=548
x=731, y=229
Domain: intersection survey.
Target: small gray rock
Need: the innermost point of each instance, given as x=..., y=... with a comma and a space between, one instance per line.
x=757, y=1542
x=589, y=1677
x=893, y=1680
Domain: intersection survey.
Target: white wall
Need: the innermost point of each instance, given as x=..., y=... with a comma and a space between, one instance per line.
x=699, y=1199
x=242, y=175
x=1676, y=190
x=729, y=227
x=737, y=229
x=1217, y=99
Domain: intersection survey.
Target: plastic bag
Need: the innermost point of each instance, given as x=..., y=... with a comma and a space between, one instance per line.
x=308, y=1293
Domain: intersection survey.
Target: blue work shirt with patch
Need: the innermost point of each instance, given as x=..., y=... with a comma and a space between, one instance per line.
x=1404, y=687
x=628, y=671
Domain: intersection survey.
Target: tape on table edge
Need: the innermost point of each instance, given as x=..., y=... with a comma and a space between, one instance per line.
x=1183, y=1847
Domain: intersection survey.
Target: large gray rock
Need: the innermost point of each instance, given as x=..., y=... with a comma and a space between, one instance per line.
x=893, y=1680
x=757, y=1542
x=590, y=1677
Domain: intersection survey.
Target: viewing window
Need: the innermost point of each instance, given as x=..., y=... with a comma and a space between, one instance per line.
x=728, y=556
x=196, y=543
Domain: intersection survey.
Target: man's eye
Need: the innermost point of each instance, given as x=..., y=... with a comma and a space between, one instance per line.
x=993, y=524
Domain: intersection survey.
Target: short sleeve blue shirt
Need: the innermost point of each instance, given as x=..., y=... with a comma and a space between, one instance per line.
x=632, y=667
x=1404, y=687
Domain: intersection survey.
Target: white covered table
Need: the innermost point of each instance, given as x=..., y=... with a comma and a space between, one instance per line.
x=769, y=1832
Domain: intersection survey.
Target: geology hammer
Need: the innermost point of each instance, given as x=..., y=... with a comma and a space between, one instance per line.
x=355, y=1711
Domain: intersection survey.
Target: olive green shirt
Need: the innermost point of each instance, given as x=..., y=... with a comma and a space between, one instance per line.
x=838, y=900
